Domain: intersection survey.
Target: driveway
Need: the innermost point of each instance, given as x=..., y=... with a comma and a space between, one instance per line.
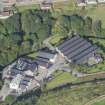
x=5, y=91
x=47, y=44
x=60, y=62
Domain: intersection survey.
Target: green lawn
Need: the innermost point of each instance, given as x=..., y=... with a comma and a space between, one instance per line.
x=76, y=96
x=97, y=13
x=101, y=66
x=33, y=55
x=26, y=7
x=61, y=78
x=97, y=68
x=65, y=5
x=56, y=39
x=99, y=103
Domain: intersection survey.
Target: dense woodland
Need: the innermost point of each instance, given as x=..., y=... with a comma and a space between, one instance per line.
x=23, y=33
x=75, y=23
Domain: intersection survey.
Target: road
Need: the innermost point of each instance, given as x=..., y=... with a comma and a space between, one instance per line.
x=59, y=63
x=47, y=44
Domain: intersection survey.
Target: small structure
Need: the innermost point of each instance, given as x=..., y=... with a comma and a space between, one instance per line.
x=46, y=5
x=94, y=60
x=77, y=50
x=101, y=1
x=48, y=55
x=25, y=83
x=28, y=66
x=91, y=2
x=45, y=59
x=5, y=13
x=43, y=63
x=81, y=3
x=8, y=2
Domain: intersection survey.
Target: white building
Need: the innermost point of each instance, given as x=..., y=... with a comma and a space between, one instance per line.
x=101, y=1
x=15, y=82
x=91, y=2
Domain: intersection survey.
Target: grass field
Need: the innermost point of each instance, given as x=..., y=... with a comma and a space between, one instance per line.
x=61, y=78
x=33, y=55
x=99, y=103
x=55, y=39
x=27, y=7
x=97, y=13
x=75, y=96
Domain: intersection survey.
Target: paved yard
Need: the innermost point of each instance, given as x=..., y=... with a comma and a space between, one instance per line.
x=5, y=91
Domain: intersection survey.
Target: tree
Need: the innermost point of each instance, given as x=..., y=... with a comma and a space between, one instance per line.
x=14, y=9
x=13, y=24
x=25, y=47
x=62, y=26
x=88, y=26
x=2, y=28
x=77, y=23
x=97, y=27
x=30, y=22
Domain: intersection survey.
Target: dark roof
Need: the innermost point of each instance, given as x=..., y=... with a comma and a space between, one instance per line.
x=22, y=86
x=28, y=78
x=71, y=45
x=42, y=59
x=23, y=65
x=66, y=42
x=24, y=82
x=80, y=1
x=31, y=66
x=43, y=62
x=26, y=64
x=77, y=49
x=15, y=71
x=85, y=52
x=47, y=55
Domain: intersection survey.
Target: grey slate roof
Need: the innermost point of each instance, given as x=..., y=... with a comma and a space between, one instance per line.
x=77, y=49
x=47, y=55
x=66, y=42
x=43, y=62
x=24, y=64
x=80, y=1
x=15, y=71
x=22, y=86
x=25, y=82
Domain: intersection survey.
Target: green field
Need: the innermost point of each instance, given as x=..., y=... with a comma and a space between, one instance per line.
x=33, y=55
x=56, y=39
x=76, y=96
x=61, y=78
x=27, y=7
x=97, y=13
x=99, y=103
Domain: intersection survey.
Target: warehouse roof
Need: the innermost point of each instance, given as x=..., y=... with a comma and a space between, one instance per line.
x=77, y=49
x=47, y=55
x=43, y=62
